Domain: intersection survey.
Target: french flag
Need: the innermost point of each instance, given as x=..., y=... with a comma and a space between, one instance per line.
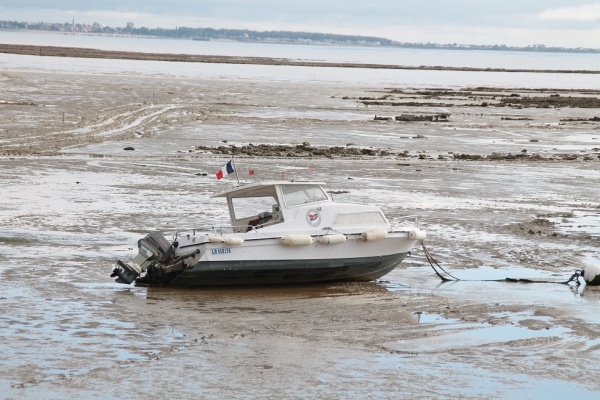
x=226, y=170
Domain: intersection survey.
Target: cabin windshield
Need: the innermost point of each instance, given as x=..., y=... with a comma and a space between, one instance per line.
x=244, y=207
x=295, y=195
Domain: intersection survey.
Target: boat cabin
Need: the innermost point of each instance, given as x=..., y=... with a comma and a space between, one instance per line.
x=263, y=204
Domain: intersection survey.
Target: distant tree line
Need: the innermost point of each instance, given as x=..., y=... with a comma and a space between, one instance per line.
x=261, y=36
x=202, y=33
x=246, y=35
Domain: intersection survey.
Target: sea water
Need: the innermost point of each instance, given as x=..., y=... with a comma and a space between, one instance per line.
x=321, y=53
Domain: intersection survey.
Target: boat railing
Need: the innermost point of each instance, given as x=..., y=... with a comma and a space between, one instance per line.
x=214, y=229
x=396, y=223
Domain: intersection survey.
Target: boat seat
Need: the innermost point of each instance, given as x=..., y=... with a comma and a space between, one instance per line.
x=263, y=218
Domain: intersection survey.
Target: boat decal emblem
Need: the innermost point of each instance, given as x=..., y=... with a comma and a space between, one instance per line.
x=313, y=217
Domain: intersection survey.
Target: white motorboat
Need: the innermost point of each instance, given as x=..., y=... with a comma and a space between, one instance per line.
x=281, y=232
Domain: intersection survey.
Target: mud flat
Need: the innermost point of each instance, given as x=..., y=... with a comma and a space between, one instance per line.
x=507, y=185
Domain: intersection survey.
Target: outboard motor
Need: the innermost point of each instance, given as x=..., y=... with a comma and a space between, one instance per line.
x=153, y=249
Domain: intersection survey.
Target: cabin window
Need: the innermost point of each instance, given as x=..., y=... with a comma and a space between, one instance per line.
x=246, y=207
x=361, y=218
x=295, y=195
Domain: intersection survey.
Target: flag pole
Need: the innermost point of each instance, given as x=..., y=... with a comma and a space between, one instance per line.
x=236, y=171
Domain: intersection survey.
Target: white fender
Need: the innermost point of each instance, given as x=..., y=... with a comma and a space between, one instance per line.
x=417, y=234
x=376, y=234
x=215, y=239
x=234, y=241
x=296, y=240
x=332, y=239
x=592, y=275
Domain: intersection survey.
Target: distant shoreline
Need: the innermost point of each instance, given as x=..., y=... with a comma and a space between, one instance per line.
x=272, y=37
x=78, y=52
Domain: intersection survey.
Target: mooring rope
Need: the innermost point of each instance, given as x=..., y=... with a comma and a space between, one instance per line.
x=434, y=263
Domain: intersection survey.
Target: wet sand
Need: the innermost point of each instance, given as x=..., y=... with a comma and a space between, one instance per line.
x=508, y=188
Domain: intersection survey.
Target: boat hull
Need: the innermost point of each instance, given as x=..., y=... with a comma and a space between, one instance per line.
x=254, y=272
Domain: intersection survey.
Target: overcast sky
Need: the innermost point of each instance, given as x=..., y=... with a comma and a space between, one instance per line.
x=572, y=23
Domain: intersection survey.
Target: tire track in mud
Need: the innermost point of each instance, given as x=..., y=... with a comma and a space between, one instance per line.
x=117, y=125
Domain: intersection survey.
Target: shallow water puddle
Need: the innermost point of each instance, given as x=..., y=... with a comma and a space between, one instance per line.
x=481, y=336
x=420, y=275
x=392, y=286
x=466, y=380
x=460, y=334
x=487, y=274
x=494, y=383
x=581, y=222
